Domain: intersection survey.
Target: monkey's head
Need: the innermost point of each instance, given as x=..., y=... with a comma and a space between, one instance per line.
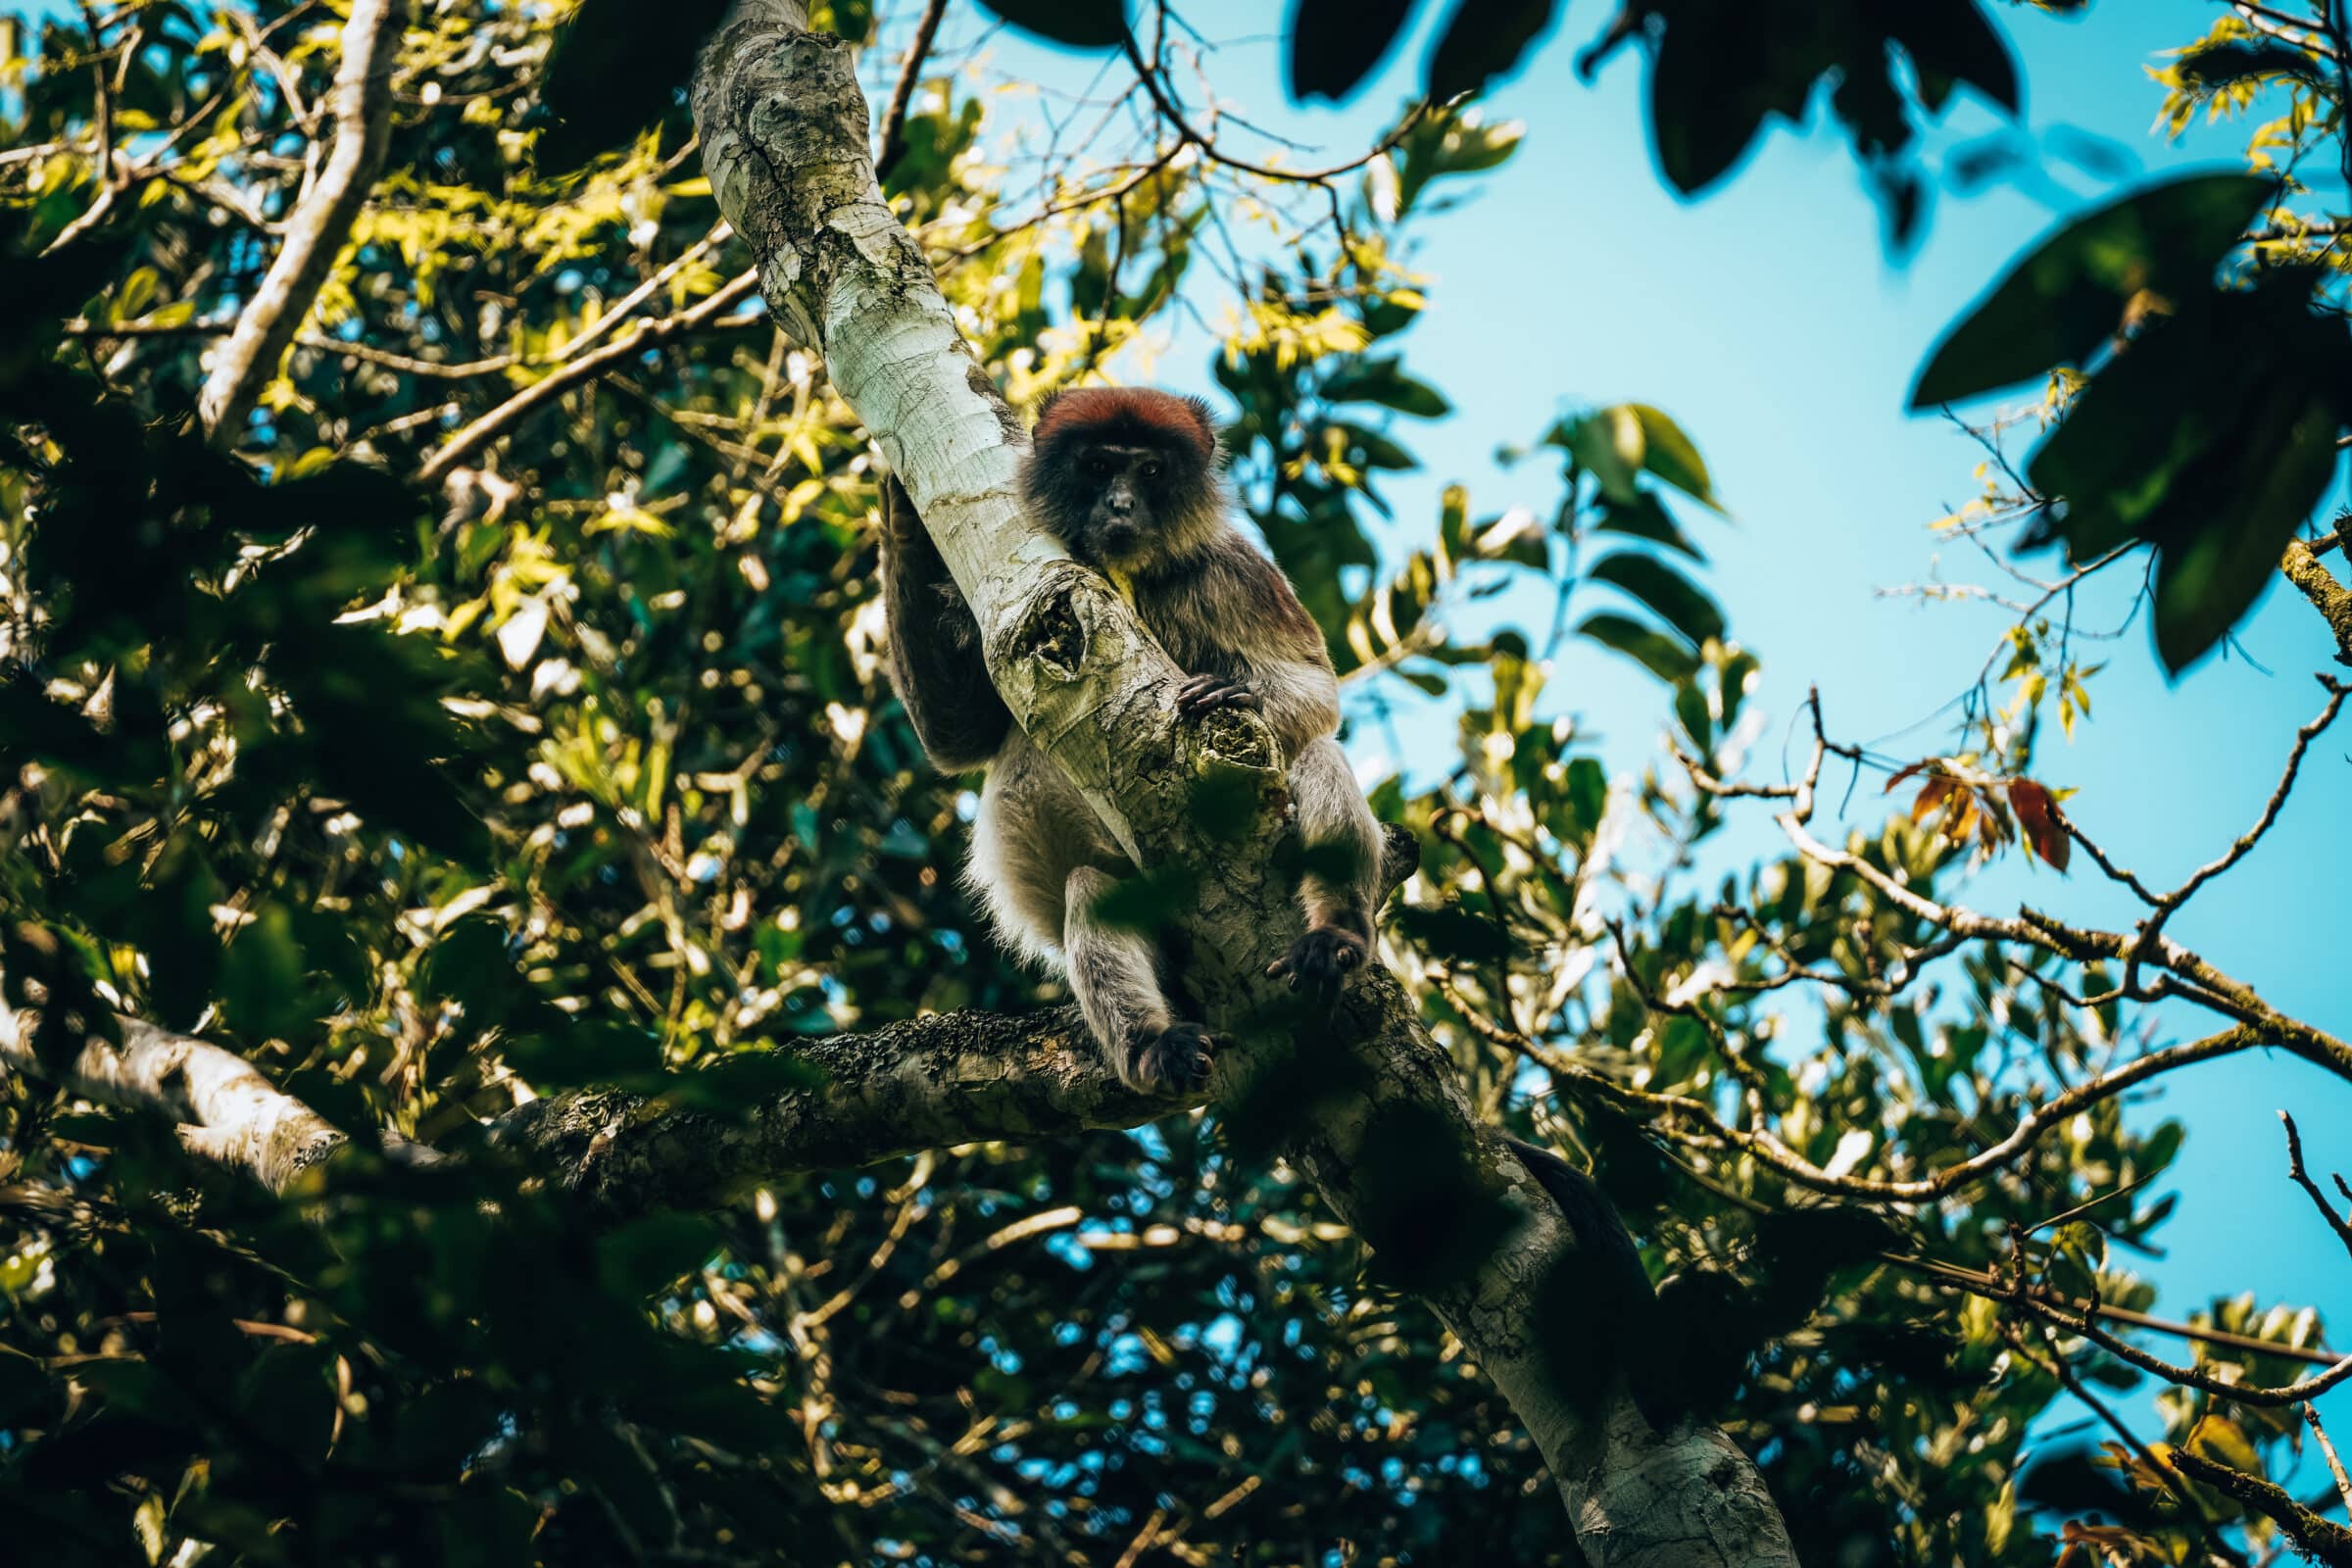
x=1124, y=479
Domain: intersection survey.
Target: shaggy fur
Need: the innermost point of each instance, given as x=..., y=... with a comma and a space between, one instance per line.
x=1129, y=481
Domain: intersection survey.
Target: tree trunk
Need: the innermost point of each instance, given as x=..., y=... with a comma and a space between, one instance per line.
x=784, y=129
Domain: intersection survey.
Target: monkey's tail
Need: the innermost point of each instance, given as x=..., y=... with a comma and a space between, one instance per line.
x=1612, y=1295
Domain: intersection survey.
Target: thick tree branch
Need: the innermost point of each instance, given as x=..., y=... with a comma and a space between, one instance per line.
x=783, y=128
x=925, y=1083
x=226, y=1110
x=314, y=233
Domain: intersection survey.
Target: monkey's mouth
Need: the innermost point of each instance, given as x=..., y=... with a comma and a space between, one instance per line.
x=1118, y=541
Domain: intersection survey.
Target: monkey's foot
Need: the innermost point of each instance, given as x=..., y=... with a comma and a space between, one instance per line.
x=1206, y=693
x=1320, y=961
x=1176, y=1058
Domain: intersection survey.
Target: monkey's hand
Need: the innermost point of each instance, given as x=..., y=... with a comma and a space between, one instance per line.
x=1178, y=1057
x=1206, y=693
x=1320, y=961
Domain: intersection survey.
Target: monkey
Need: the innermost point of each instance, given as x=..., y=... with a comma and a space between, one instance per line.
x=1131, y=483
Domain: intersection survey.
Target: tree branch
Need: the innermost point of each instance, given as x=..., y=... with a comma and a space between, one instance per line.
x=640, y=337
x=784, y=134
x=2329, y=597
x=2322, y=1539
x=227, y=1110
x=893, y=139
x=314, y=233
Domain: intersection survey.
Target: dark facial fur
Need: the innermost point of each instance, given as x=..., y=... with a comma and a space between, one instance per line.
x=1125, y=480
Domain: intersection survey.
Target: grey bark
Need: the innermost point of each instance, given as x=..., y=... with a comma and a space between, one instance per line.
x=361, y=103
x=225, y=1110
x=784, y=129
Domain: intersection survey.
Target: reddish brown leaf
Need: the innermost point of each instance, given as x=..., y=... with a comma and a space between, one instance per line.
x=1932, y=794
x=2038, y=815
x=1902, y=774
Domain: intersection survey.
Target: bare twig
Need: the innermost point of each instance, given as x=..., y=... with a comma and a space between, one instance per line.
x=1994, y=1289
x=2302, y=1178
x=2335, y=1465
x=2057, y=1367
x=644, y=335
x=1164, y=101
x=624, y=307
x=893, y=140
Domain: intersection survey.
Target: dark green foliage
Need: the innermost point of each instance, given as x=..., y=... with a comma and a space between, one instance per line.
x=1077, y=23
x=1485, y=39
x=1332, y=45
x=578, y=771
x=2067, y=296
x=2211, y=437
x=618, y=68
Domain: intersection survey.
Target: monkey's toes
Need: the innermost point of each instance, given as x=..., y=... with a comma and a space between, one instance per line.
x=1178, y=1057
x=1320, y=961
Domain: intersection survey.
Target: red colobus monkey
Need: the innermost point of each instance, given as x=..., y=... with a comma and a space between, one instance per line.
x=1129, y=481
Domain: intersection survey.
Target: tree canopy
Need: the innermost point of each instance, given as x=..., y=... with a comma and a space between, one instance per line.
x=496, y=1066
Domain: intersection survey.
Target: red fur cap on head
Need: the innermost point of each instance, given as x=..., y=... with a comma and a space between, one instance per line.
x=1137, y=414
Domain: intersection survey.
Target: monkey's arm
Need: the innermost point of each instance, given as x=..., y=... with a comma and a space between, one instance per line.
x=1277, y=664
x=935, y=659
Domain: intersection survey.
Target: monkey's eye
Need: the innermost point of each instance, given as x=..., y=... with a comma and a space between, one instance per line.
x=1151, y=470
x=1097, y=466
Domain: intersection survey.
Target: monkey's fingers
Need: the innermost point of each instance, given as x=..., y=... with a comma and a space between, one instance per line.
x=1205, y=694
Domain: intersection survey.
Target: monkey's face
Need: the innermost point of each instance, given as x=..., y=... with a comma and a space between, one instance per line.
x=1112, y=508
x=1115, y=503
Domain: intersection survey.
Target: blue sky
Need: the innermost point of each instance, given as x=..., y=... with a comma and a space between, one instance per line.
x=1768, y=318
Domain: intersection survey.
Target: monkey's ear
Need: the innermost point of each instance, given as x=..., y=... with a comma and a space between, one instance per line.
x=1212, y=450
x=1044, y=406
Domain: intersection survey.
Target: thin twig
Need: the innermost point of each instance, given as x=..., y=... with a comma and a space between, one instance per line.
x=466, y=442
x=2301, y=1177
x=893, y=140
x=626, y=306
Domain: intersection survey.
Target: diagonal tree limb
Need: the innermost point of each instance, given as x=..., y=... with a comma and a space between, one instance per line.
x=784, y=127
x=227, y=1110
x=316, y=232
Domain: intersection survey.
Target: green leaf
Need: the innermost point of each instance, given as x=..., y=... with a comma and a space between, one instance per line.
x=1452, y=932
x=1382, y=381
x=1951, y=41
x=1610, y=445
x=1333, y=45
x=1077, y=23
x=1673, y=457
x=653, y=1254
x=2226, y=64
x=1665, y=590
x=1485, y=39
x=2205, y=584
x=2212, y=437
x=2067, y=297
x=1660, y=653
x=1712, y=85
